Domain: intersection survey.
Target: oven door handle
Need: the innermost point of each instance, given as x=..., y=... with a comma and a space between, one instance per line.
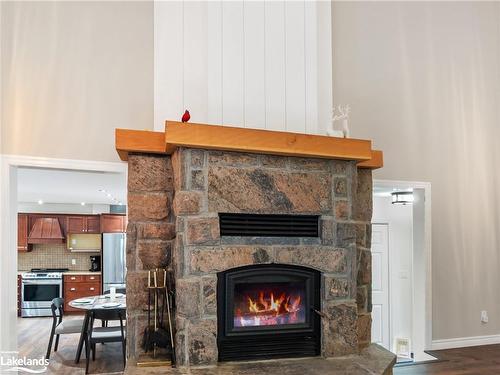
x=42, y=282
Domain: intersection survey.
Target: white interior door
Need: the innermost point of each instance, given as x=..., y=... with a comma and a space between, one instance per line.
x=380, y=285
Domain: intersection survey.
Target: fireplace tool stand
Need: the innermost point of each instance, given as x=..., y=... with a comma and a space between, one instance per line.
x=156, y=335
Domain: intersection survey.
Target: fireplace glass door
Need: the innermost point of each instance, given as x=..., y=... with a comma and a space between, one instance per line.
x=269, y=304
x=266, y=311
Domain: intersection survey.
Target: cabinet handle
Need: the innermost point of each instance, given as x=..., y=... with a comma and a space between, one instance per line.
x=72, y=289
x=92, y=278
x=73, y=278
x=92, y=288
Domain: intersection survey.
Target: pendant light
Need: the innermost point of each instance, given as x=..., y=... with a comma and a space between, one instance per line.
x=402, y=197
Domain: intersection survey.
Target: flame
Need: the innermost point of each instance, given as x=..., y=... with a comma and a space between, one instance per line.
x=269, y=310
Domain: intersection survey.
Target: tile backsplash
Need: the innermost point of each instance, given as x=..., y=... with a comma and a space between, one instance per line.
x=53, y=256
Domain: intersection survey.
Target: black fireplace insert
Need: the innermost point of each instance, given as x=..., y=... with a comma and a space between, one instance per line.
x=267, y=311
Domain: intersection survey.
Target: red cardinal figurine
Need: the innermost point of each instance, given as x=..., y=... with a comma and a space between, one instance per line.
x=186, y=116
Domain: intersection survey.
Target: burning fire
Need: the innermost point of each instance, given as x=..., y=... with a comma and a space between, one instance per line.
x=269, y=310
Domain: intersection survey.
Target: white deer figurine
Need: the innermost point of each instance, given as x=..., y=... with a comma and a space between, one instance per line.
x=340, y=113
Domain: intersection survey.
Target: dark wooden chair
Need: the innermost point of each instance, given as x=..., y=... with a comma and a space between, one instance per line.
x=60, y=327
x=118, y=290
x=100, y=335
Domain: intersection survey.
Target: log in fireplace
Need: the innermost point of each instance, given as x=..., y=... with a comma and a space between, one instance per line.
x=267, y=311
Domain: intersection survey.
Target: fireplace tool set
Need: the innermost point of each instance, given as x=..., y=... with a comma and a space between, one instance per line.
x=160, y=301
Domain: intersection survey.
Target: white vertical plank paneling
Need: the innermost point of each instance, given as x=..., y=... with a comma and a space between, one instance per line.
x=214, y=62
x=275, y=65
x=259, y=64
x=233, y=64
x=295, y=67
x=324, y=56
x=168, y=62
x=254, y=34
x=311, y=68
x=195, y=60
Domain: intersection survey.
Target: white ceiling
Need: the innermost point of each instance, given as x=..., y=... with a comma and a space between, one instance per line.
x=68, y=186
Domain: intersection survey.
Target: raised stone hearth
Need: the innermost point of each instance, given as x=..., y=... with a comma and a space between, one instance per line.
x=371, y=360
x=174, y=202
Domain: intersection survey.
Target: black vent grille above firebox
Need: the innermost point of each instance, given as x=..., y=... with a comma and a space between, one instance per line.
x=268, y=225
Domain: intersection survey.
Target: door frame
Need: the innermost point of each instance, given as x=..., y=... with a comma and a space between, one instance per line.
x=421, y=276
x=8, y=229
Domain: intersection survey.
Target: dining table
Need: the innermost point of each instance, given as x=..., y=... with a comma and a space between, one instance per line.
x=87, y=304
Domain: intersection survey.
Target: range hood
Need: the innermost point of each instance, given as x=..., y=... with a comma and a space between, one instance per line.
x=46, y=230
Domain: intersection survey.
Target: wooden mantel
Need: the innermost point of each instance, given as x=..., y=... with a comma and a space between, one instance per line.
x=227, y=138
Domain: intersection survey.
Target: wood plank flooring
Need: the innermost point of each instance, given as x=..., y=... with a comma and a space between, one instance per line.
x=477, y=360
x=33, y=339
x=33, y=336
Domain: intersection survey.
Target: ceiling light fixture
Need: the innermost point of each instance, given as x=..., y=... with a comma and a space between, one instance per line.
x=402, y=197
x=83, y=203
x=40, y=201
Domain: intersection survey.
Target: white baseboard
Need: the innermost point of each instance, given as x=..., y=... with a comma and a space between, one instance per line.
x=461, y=342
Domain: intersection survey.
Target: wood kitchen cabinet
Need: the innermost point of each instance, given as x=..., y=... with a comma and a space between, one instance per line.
x=113, y=223
x=93, y=224
x=79, y=286
x=22, y=233
x=83, y=224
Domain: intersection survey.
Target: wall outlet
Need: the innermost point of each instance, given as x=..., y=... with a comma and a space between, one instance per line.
x=484, y=316
x=73, y=262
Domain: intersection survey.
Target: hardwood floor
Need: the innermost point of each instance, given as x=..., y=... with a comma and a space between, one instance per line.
x=33, y=338
x=478, y=360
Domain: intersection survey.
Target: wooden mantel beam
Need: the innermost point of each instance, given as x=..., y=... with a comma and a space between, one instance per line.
x=245, y=140
x=376, y=161
x=145, y=141
x=227, y=138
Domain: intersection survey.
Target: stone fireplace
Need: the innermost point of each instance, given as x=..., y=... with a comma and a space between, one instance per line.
x=270, y=253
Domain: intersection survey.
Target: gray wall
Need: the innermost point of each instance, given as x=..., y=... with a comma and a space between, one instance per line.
x=72, y=72
x=422, y=79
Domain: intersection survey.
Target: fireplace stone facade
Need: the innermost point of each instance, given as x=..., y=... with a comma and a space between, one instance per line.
x=174, y=202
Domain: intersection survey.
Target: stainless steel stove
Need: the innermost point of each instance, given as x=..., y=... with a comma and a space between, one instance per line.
x=39, y=288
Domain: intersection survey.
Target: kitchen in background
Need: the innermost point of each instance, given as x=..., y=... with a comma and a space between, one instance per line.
x=69, y=256
x=68, y=247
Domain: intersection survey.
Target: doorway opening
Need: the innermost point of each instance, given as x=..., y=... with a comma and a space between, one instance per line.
x=40, y=193
x=401, y=268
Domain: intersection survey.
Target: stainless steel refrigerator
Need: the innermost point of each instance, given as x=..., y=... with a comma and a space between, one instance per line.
x=114, y=267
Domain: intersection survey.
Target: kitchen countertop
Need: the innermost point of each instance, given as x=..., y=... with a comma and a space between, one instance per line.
x=19, y=272
x=81, y=273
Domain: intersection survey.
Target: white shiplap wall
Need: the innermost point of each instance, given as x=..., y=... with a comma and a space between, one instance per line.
x=252, y=64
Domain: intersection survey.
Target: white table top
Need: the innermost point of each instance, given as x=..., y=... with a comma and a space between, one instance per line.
x=99, y=301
